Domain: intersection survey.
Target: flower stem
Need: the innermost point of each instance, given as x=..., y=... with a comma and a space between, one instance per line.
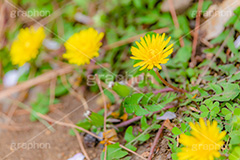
x=167, y=84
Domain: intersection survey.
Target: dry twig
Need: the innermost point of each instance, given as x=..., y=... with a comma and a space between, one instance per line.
x=130, y=40
x=35, y=81
x=13, y=127
x=196, y=32
x=74, y=93
x=79, y=138
x=42, y=79
x=175, y=20
x=105, y=111
x=168, y=84
x=14, y=106
x=155, y=141
x=214, y=58
x=52, y=91
x=47, y=118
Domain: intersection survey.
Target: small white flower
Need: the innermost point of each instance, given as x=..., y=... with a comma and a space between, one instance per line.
x=78, y=156
x=110, y=84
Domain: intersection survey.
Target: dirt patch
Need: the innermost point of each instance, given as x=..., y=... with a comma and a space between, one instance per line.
x=38, y=143
x=162, y=151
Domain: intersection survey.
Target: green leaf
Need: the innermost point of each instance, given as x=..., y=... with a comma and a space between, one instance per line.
x=204, y=110
x=176, y=131
x=71, y=132
x=235, y=154
x=125, y=2
x=215, y=104
x=129, y=137
x=109, y=95
x=168, y=98
x=237, y=11
x=202, y=92
x=184, y=24
x=236, y=122
x=143, y=137
x=163, y=20
x=215, y=110
x=174, y=156
x=137, y=3
x=228, y=69
x=149, y=18
x=114, y=152
x=177, y=33
x=208, y=102
x=121, y=90
x=229, y=106
x=221, y=37
x=60, y=90
x=131, y=105
x=140, y=111
x=41, y=105
x=183, y=127
x=222, y=55
x=235, y=77
x=84, y=124
x=230, y=44
x=237, y=25
x=133, y=99
x=146, y=98
x=184, y=54
x=131, y=147
x=127, y=158
x=129, y=134
x=192, y=12
x=154, y=107
x=144, y=124
x=227, y=113
x=190, y=72
x=231, y=21
x=230, y=91
x=235, y=137
x=236, y=112
x=217, y=89
x=96, y=119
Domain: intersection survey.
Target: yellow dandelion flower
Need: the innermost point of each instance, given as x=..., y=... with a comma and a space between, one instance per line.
x=83, y=46
x=26, y=45
x=203, y=144
x=152, y=51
